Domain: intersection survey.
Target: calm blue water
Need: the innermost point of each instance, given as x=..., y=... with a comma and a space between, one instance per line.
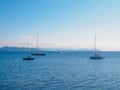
x=65, y=71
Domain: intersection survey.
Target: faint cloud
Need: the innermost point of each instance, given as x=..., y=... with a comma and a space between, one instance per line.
x=25, y=37
x=26, y=40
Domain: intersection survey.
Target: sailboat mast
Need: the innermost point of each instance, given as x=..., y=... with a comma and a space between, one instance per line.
x=95, y=44
x=37, y=42
x=28, y=45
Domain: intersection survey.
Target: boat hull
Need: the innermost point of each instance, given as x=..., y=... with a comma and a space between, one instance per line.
x=42, y=54
x=96, y=57
x=26, y=58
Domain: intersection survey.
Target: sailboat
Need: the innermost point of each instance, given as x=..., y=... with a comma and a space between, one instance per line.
x=28, y=57
x=38, y=54
x=96, y=55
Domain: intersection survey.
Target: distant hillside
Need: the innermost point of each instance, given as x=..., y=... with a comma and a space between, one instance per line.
x=63, y=49
x=7, y=48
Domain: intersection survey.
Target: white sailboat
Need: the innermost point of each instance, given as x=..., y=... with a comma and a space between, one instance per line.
x=96, y=55
x=37, y=53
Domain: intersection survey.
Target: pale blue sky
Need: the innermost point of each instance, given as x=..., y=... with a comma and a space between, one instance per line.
x=60, y=23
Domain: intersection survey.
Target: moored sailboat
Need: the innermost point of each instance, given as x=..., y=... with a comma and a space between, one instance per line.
x=28, y=57
x=96, y=55
x=37, y=53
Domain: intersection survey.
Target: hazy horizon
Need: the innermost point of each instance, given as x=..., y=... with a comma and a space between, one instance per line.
x=60, y=23
x=56, y=49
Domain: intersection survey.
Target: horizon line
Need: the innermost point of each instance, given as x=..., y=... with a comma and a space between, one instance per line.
x=58, y=48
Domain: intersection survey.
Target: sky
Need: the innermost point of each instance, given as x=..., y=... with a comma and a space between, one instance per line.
x=60, y=23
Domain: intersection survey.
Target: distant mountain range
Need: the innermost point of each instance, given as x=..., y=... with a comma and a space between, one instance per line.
x=7, y=48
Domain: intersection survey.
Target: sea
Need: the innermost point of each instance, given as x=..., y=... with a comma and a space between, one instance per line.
x=69, y=70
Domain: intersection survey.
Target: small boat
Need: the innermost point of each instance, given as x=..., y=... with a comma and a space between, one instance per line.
x=28, y=58
x=96, y=55
x=38, y=54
